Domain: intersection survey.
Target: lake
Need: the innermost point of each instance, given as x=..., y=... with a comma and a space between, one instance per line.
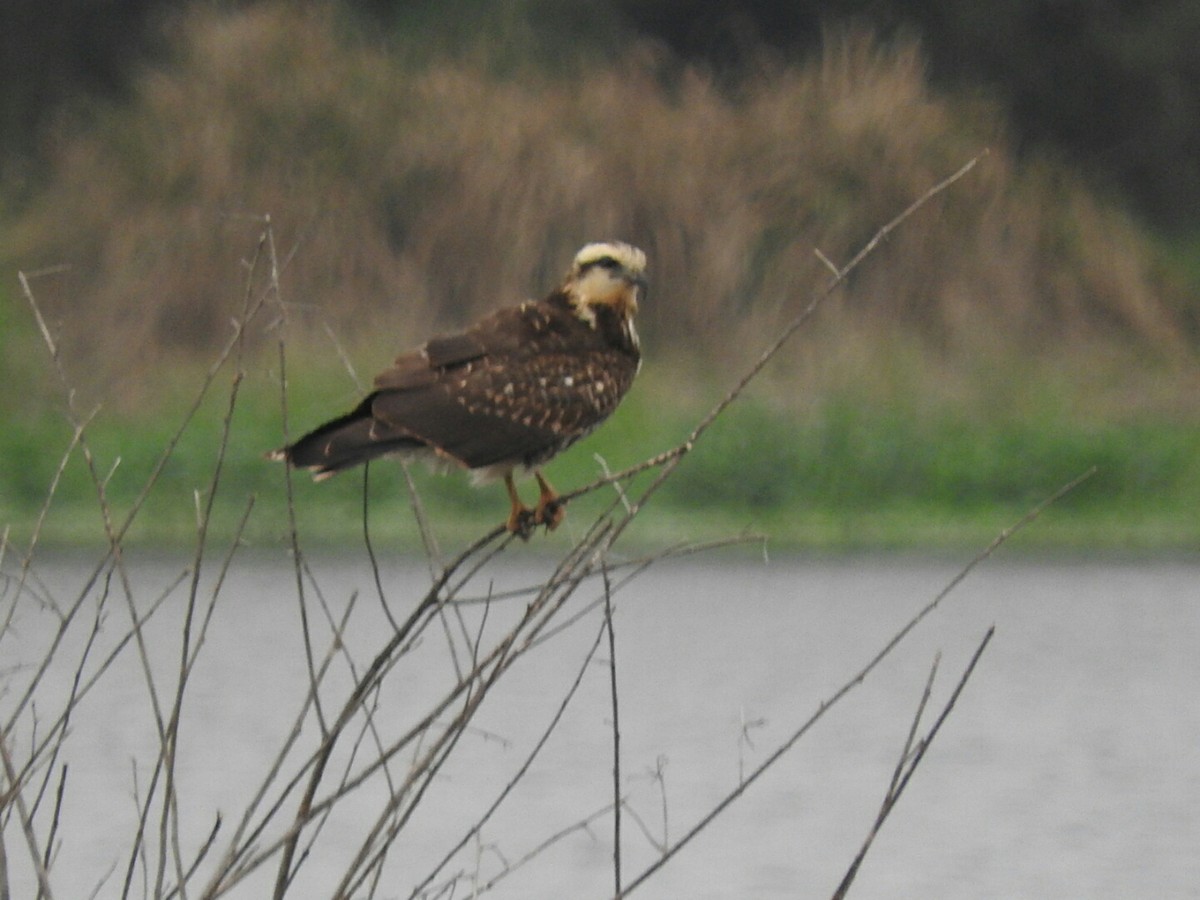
x=1070, y=766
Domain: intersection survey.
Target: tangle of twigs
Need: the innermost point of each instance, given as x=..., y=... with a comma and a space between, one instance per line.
x=342, y=741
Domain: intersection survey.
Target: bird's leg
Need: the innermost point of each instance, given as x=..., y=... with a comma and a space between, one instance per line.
x=521, y=518
x=550, y=511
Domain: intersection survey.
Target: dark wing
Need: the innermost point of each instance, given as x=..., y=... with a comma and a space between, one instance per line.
x=516, y=388
x=506, y=410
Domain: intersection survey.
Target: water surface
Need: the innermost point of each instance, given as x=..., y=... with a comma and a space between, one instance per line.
x=1070, y=766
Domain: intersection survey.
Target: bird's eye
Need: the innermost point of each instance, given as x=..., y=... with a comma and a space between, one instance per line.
x=607, y=262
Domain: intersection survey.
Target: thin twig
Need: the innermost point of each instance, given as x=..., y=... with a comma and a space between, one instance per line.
x=583, y=824
x=15, y=796
x=506, y=652
x=115, y=532
x=5, y=893
x=616, y=732
x=366, y=531
x=188, y=653
x=40, y=521
x=429, y=541
x=366, y=683
x=477, y=828
x=54, y=821
x=156, y=472
x=856, y=680
x=234, y=867
x=908, y=765
x=200, y=855
x=79, y=689
x=914, y=727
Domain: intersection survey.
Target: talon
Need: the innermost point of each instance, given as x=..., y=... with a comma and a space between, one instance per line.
x=550, y=514
x=521, y=519
x=550, y=510
x=521, y=522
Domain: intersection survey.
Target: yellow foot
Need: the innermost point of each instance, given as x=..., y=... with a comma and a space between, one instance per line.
x=550, y=510
x=549, y=513
x=521, y=519
x=521, y=522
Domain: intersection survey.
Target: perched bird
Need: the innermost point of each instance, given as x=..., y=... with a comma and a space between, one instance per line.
x=512, y=391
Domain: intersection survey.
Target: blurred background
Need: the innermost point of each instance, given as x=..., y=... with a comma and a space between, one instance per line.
x=424, y=162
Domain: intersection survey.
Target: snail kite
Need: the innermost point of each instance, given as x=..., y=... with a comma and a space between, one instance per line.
x=513, y=390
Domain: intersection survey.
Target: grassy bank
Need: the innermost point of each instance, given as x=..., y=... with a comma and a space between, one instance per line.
x=844, y=469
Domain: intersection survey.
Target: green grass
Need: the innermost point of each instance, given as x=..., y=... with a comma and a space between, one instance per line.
x=844, y=473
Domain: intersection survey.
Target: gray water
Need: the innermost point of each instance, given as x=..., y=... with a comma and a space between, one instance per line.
x=1070, y=766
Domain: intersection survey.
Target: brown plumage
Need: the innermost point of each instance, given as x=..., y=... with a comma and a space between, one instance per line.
x=513, y=390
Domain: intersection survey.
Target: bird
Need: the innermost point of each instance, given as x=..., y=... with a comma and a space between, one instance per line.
x=508, y=393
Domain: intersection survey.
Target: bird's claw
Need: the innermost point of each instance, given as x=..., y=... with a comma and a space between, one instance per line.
x=549, y=512
x=521, y=522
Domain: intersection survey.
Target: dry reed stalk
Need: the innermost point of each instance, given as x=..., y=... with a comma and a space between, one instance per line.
x=426, y=166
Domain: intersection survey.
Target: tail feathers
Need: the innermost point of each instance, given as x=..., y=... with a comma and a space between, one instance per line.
x=342, y=443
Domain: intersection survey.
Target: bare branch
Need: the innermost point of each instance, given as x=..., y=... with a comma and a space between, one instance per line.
x=855, y=681
x=616, y=733
x=14, y=795
x=908, y=764
x=477, y=828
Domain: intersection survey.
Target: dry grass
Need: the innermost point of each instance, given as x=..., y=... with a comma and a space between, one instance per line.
x=416, y=196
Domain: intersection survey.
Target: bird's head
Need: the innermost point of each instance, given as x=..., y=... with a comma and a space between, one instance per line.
x=608, y=275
